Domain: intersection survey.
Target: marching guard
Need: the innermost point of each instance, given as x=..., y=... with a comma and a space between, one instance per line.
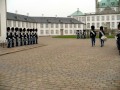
x=24, y=36
x=21, y=37
x=36, y=37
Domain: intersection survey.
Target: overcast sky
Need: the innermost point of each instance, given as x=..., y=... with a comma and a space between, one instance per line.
x=61, y=8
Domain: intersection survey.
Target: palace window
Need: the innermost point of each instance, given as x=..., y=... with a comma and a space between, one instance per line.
x=98, y=25
x=66, y=25
x=41, y=25
x=14, y=23
x=118, y=17
x=93, y=18
x=103, y=18
x=113, y=17
x=42, y=31
x=52, y=31
x=79, y=26
x=46, y=25
x=47, y=31
x=57, y=31
x=57, y=26
x=52, y=25
x=98, y=18
x=113, y=24
x=88, y=18
x=107, y=17
x=66, y=31
x=88, y=25
x=70, y=31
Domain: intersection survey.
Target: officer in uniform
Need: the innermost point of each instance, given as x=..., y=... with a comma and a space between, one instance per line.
x=8, y=37
x=12, y=36
x=24, y=36
x=21, y=37
x=16, y=36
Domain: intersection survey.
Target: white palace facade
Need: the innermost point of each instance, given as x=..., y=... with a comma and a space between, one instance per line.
x=47, y=26
x=107, y=14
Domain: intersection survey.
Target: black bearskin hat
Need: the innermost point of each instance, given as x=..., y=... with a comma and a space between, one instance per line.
x=16, y=29
x=12, y=28
x=101, y=28
x=8, y=28
x=92, y=27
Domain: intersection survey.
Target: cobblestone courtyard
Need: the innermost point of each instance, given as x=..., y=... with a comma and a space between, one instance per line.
x=63, y=64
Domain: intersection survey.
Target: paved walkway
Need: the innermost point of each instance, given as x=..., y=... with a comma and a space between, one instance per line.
x=63, y=64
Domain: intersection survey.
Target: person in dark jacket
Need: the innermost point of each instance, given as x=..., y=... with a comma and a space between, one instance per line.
x=101, y=33
x=93, y=35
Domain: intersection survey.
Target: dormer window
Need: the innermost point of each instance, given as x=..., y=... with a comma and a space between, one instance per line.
x=103, y=4
x=25, y=19
x=15, y=17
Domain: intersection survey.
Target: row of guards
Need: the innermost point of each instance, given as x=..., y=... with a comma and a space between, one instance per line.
x=19, y=37
x=80, y=34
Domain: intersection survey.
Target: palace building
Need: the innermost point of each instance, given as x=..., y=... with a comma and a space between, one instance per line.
x=47, y=26
x=107, y=14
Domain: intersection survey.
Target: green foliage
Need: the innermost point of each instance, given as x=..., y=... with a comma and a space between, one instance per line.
x=74, y=36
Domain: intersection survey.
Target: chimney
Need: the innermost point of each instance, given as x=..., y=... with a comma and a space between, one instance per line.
x=96, y=6
x=42, y=15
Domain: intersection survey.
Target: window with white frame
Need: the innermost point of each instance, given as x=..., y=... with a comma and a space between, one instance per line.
x=47, y=31
x=57, y=31
x=66, y=25
x=23, y=24
x=14, y=23
x=88, y=18
x=103, y=18
x=113, y=24
x=52, y=31
x=61, y=25
x=41, y=25
x=66, y=31
x=79, y=26
x=88, y=25
x=107, y=18
x=118, y=17
x=8, y=23
x=74, y=25
x=18, y=23
x=79, y=18
x=83, y=19
x=46, y=25
x=93, y=24
x=98, y=18
x=102, y=23
x=113, y=17
x=57, y=26
x=98, y=25
x=70, y=25
x=93, y=18
x=52, y=25
x=41, y=31
x=70, y=31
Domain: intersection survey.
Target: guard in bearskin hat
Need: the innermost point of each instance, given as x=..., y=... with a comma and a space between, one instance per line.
x=12, y=36
x=24, y=36
x=16, y=36
x=36, y=37
x=28, y=36
x=21, y=37
x=8, y=37
x=93, y=35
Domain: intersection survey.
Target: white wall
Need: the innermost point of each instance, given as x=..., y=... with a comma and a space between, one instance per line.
x=2, y=20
